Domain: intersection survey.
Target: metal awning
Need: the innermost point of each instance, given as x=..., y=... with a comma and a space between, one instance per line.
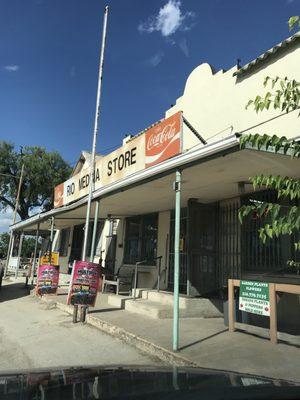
x=209, y=174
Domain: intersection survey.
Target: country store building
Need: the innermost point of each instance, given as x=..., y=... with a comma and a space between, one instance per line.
x=135, y=198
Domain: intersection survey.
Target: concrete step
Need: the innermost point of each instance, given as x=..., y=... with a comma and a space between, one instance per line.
x=198, y=308
x=117, y=300
x=149, y=309
x=190, y=306
x=162, y=297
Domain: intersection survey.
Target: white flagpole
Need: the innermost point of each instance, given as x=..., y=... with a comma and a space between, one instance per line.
x=96, y=127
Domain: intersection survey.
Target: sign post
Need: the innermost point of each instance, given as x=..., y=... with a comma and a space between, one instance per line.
x=83, y=287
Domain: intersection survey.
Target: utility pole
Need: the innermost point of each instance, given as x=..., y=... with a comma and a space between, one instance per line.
x=14, y=219
x=96, y=127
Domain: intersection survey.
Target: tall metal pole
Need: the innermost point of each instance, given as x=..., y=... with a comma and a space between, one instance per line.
x=51, y=240
x=177, y=188
x=14, y=219
x=35, y=251
x=94, y=230
x=96, y=127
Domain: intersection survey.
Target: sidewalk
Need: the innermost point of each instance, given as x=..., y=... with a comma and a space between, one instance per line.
x=203, y=342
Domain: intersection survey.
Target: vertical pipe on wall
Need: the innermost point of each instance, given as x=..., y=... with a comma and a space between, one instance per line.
x=177, y=188
x=94, y=231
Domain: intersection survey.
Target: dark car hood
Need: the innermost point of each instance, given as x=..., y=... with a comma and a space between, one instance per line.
x=142, y=383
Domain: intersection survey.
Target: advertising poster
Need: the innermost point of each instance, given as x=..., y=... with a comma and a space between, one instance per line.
x=47, y=279
x=84, y=284
x=54, y=258
x=254, y=297
x=163, y=140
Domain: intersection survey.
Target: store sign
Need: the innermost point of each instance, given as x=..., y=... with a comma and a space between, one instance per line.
x=254, y=297
x=54, y=258
x=78, y=186
x=124, y=161
x=163, y=140
x=157, y=144
x=84, y=284
x=59, y=195
x=47, y=279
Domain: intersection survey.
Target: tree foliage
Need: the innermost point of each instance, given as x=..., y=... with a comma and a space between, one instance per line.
x=285, y=95
x=279, y=219
x=42, y=172
x=294, y=22
x=27, y=246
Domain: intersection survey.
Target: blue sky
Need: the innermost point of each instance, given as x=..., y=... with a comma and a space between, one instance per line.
x=49, y=52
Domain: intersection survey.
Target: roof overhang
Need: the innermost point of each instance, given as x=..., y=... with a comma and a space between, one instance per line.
x=210, y=173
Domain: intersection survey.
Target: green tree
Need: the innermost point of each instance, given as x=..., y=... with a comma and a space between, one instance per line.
x=27, y=246
x=4, y=240
x=284, y=95
x=42, y=172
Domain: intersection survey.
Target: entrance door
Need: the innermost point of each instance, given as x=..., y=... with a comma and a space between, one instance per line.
x=77, y=242
x=202, y=242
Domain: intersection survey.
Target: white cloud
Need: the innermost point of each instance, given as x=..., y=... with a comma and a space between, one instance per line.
x=155, y=60
x=12, y=68
x=168, y=20
x=184, y=47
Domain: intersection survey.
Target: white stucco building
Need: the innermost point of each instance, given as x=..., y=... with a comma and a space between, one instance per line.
x=136, y=209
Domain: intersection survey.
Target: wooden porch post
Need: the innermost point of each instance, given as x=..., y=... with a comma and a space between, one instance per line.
x=273, y=313
x=231, y=305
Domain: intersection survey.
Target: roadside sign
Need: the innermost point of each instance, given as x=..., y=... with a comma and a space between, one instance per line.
x=47, y=279
x=84, y=284
x=254, y=297
x=54, y=258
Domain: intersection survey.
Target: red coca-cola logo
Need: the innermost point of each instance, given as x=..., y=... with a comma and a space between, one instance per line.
x=163, y=140
x=157, y=139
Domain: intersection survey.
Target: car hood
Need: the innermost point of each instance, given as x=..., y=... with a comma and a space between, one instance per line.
x=138, y=382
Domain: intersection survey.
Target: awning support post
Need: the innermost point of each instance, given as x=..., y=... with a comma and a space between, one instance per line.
x=19, y=254
x=94, y=231
x=51, y=240
x=9, y=251
x=177, y=189
x=34, y=254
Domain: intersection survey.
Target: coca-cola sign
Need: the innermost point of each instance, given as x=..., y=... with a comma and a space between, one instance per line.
x=163, y=140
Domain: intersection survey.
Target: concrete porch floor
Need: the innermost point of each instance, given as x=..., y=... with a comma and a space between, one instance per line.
x=204, y=342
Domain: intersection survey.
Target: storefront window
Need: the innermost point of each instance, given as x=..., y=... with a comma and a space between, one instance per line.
x=141, y=239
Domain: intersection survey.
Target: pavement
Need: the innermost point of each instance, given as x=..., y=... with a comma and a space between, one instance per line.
x=204, y=342
x=37, y=335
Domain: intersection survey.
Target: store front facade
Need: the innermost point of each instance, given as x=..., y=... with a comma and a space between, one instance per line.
x=134, y=187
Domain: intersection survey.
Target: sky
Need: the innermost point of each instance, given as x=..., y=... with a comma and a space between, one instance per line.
x=49, y=57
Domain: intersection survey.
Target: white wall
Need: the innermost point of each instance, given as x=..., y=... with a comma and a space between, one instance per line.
x=216, y=102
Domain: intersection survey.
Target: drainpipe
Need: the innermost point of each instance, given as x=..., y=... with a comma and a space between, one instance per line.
x=177, y=189
x=94, y=231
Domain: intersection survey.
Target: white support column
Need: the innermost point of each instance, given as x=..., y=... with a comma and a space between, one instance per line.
x=19, y=254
